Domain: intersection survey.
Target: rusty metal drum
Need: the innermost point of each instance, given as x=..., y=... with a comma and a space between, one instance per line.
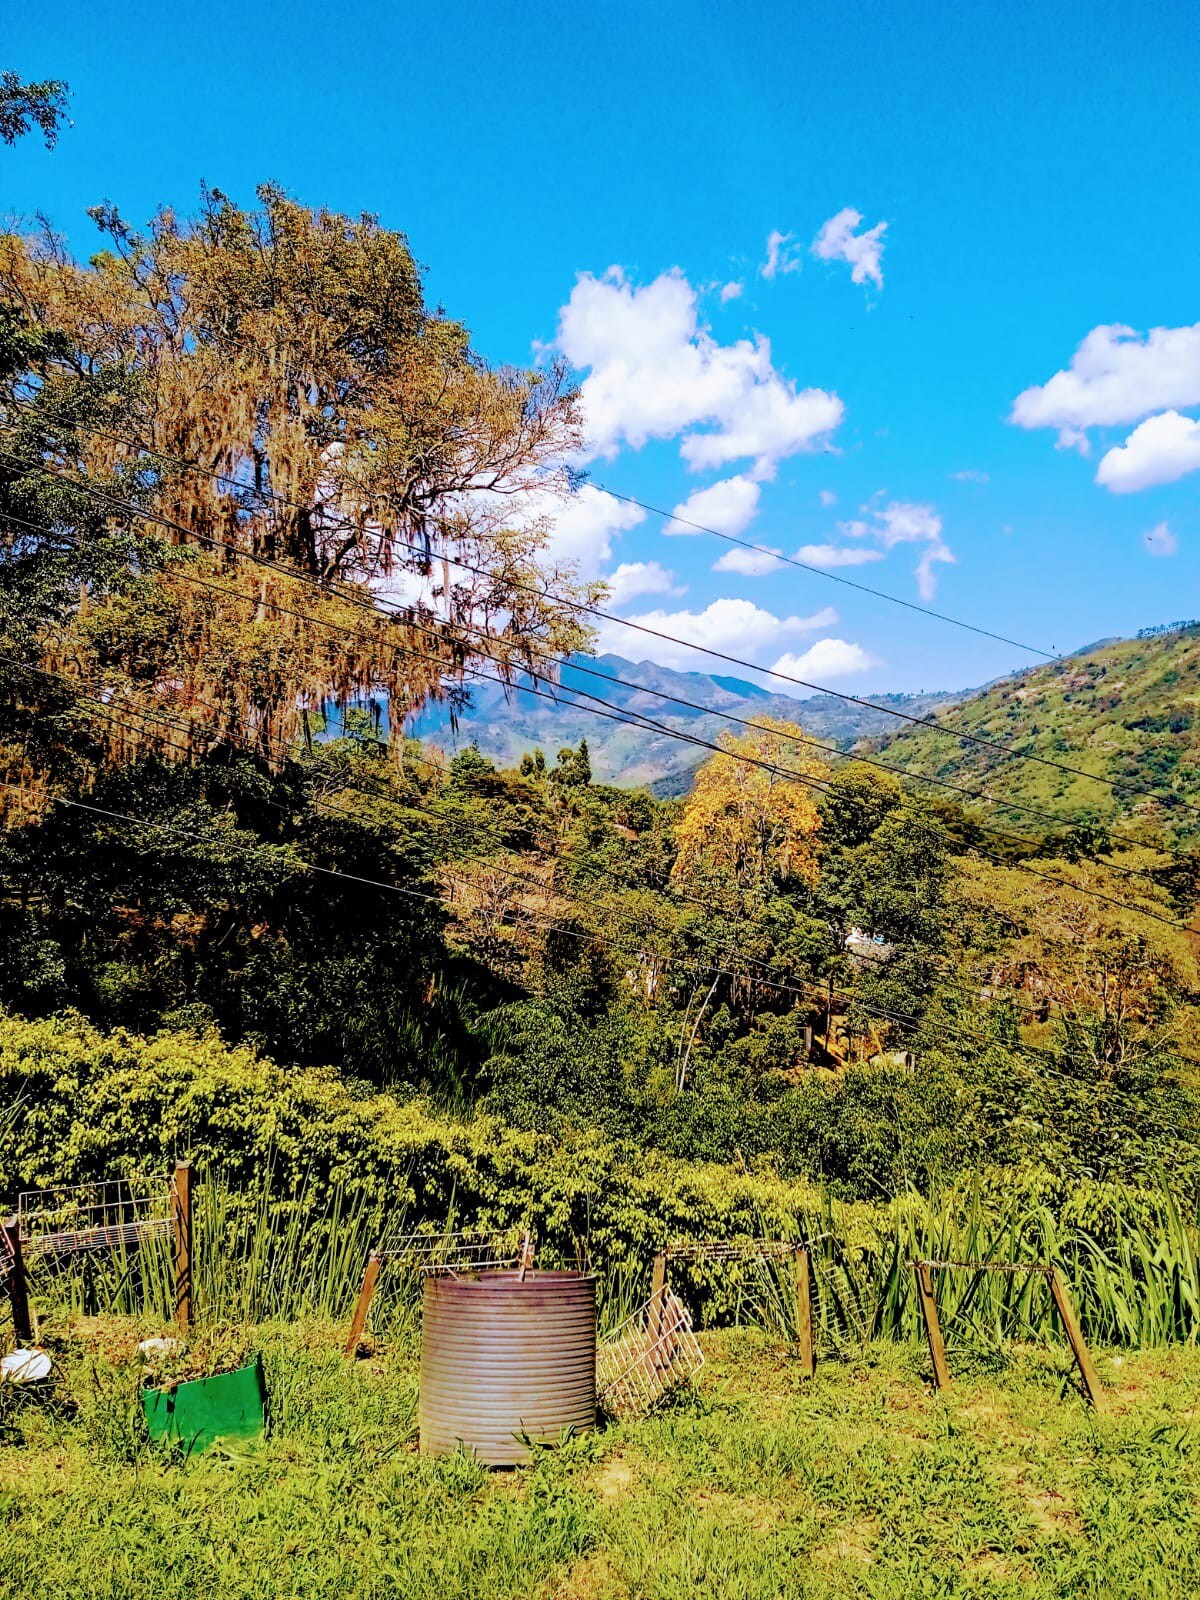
x=506, y=1362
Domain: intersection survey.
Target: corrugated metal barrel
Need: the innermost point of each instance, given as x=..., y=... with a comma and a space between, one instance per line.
x=504, y=1361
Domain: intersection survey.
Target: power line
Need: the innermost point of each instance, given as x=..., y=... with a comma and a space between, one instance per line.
x=605, y=710
x=105, y=709
x=612, y=678
x=154, y=825
x=890, y=711
x=627, y=499
x=808, y=988
x=820, y=990
x=611, y=714
x=587, y=936
x=935, y=726
x=834, y=577
x=947, y=729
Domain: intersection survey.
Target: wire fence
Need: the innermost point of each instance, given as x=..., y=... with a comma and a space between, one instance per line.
x=649, y=1355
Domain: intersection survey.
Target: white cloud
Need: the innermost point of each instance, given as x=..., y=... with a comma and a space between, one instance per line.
x=904, y=522
x=838, y=555
x=827, y=658
x=898, y=522
x=749, y=563
x=1160, y=541
x=582, y=524
x=1115, y=376
x=926, y=577
x=725, y=507
x=970, y=475
x=632, y=578
x=782, y=256
x=652, y=372
x=730, y=291
x=837, y=241
x=827, y=498
x=1159, y=450
x=736, y=627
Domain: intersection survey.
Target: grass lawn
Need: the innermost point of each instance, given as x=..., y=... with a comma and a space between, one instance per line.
x=756, y=1484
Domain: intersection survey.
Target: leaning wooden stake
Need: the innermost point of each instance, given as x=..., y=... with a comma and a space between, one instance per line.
x=804, y=1332
x=1083, y=1357
x=18, y=1289
x=933, y=1328
x=658, y=1295
x=181, y=1234
x=363, y=1305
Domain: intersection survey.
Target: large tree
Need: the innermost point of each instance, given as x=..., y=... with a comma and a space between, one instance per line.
x=751, y=820
x=291, y=446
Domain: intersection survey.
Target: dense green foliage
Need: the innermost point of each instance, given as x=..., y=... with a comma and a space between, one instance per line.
x=546, y=962
x=365, y=986
x=326, y=960
x=301, y=1175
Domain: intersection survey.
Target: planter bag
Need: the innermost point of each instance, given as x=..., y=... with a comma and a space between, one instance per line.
x=231, y=1405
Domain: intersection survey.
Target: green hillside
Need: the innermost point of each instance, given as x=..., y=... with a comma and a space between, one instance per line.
x=1123, y=711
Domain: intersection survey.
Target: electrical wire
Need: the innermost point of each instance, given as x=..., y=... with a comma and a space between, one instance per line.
x=936, y=726
x=834, y=577
x=154, y=825
x=823, y=991
x=627, y=499
x=612, y=714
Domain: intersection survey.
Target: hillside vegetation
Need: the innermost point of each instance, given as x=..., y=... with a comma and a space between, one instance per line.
x=365, y=983
x=1126, y=712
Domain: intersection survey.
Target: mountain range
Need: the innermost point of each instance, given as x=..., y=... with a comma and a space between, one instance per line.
x=507, y=724
x=1122, y=714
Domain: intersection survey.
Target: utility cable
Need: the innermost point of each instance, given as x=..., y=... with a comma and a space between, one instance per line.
x=935, y=726
x=611, y=714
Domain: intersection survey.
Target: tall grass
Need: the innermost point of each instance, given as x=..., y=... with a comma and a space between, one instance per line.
x=1137, y=1284
x=257, y=1258
x=261, y=1258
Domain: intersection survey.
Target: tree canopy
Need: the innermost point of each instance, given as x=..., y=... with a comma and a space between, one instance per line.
x=321, y=490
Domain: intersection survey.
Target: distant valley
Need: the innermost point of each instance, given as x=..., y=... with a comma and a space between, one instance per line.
x=1120, y=711
x=507, y=725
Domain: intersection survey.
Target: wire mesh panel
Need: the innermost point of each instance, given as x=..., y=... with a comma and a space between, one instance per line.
x=733, y=1250
x=450, y=1254
x=92, y=1216
x=649, y=1355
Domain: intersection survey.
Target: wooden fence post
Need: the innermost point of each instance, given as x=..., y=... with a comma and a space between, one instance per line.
x=358, y=1322
x=181, y=1236
x=18, y=1288
x=804, y=1332
x=658, y=1283
x=658, y=1295
x=1083, y=1358
x=933, y=1328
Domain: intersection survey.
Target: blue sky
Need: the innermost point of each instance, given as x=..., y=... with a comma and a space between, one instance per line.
x=1035, y=169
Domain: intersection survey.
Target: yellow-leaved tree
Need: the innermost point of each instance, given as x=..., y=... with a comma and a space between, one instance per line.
x=751, y=820
x=749, y=828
